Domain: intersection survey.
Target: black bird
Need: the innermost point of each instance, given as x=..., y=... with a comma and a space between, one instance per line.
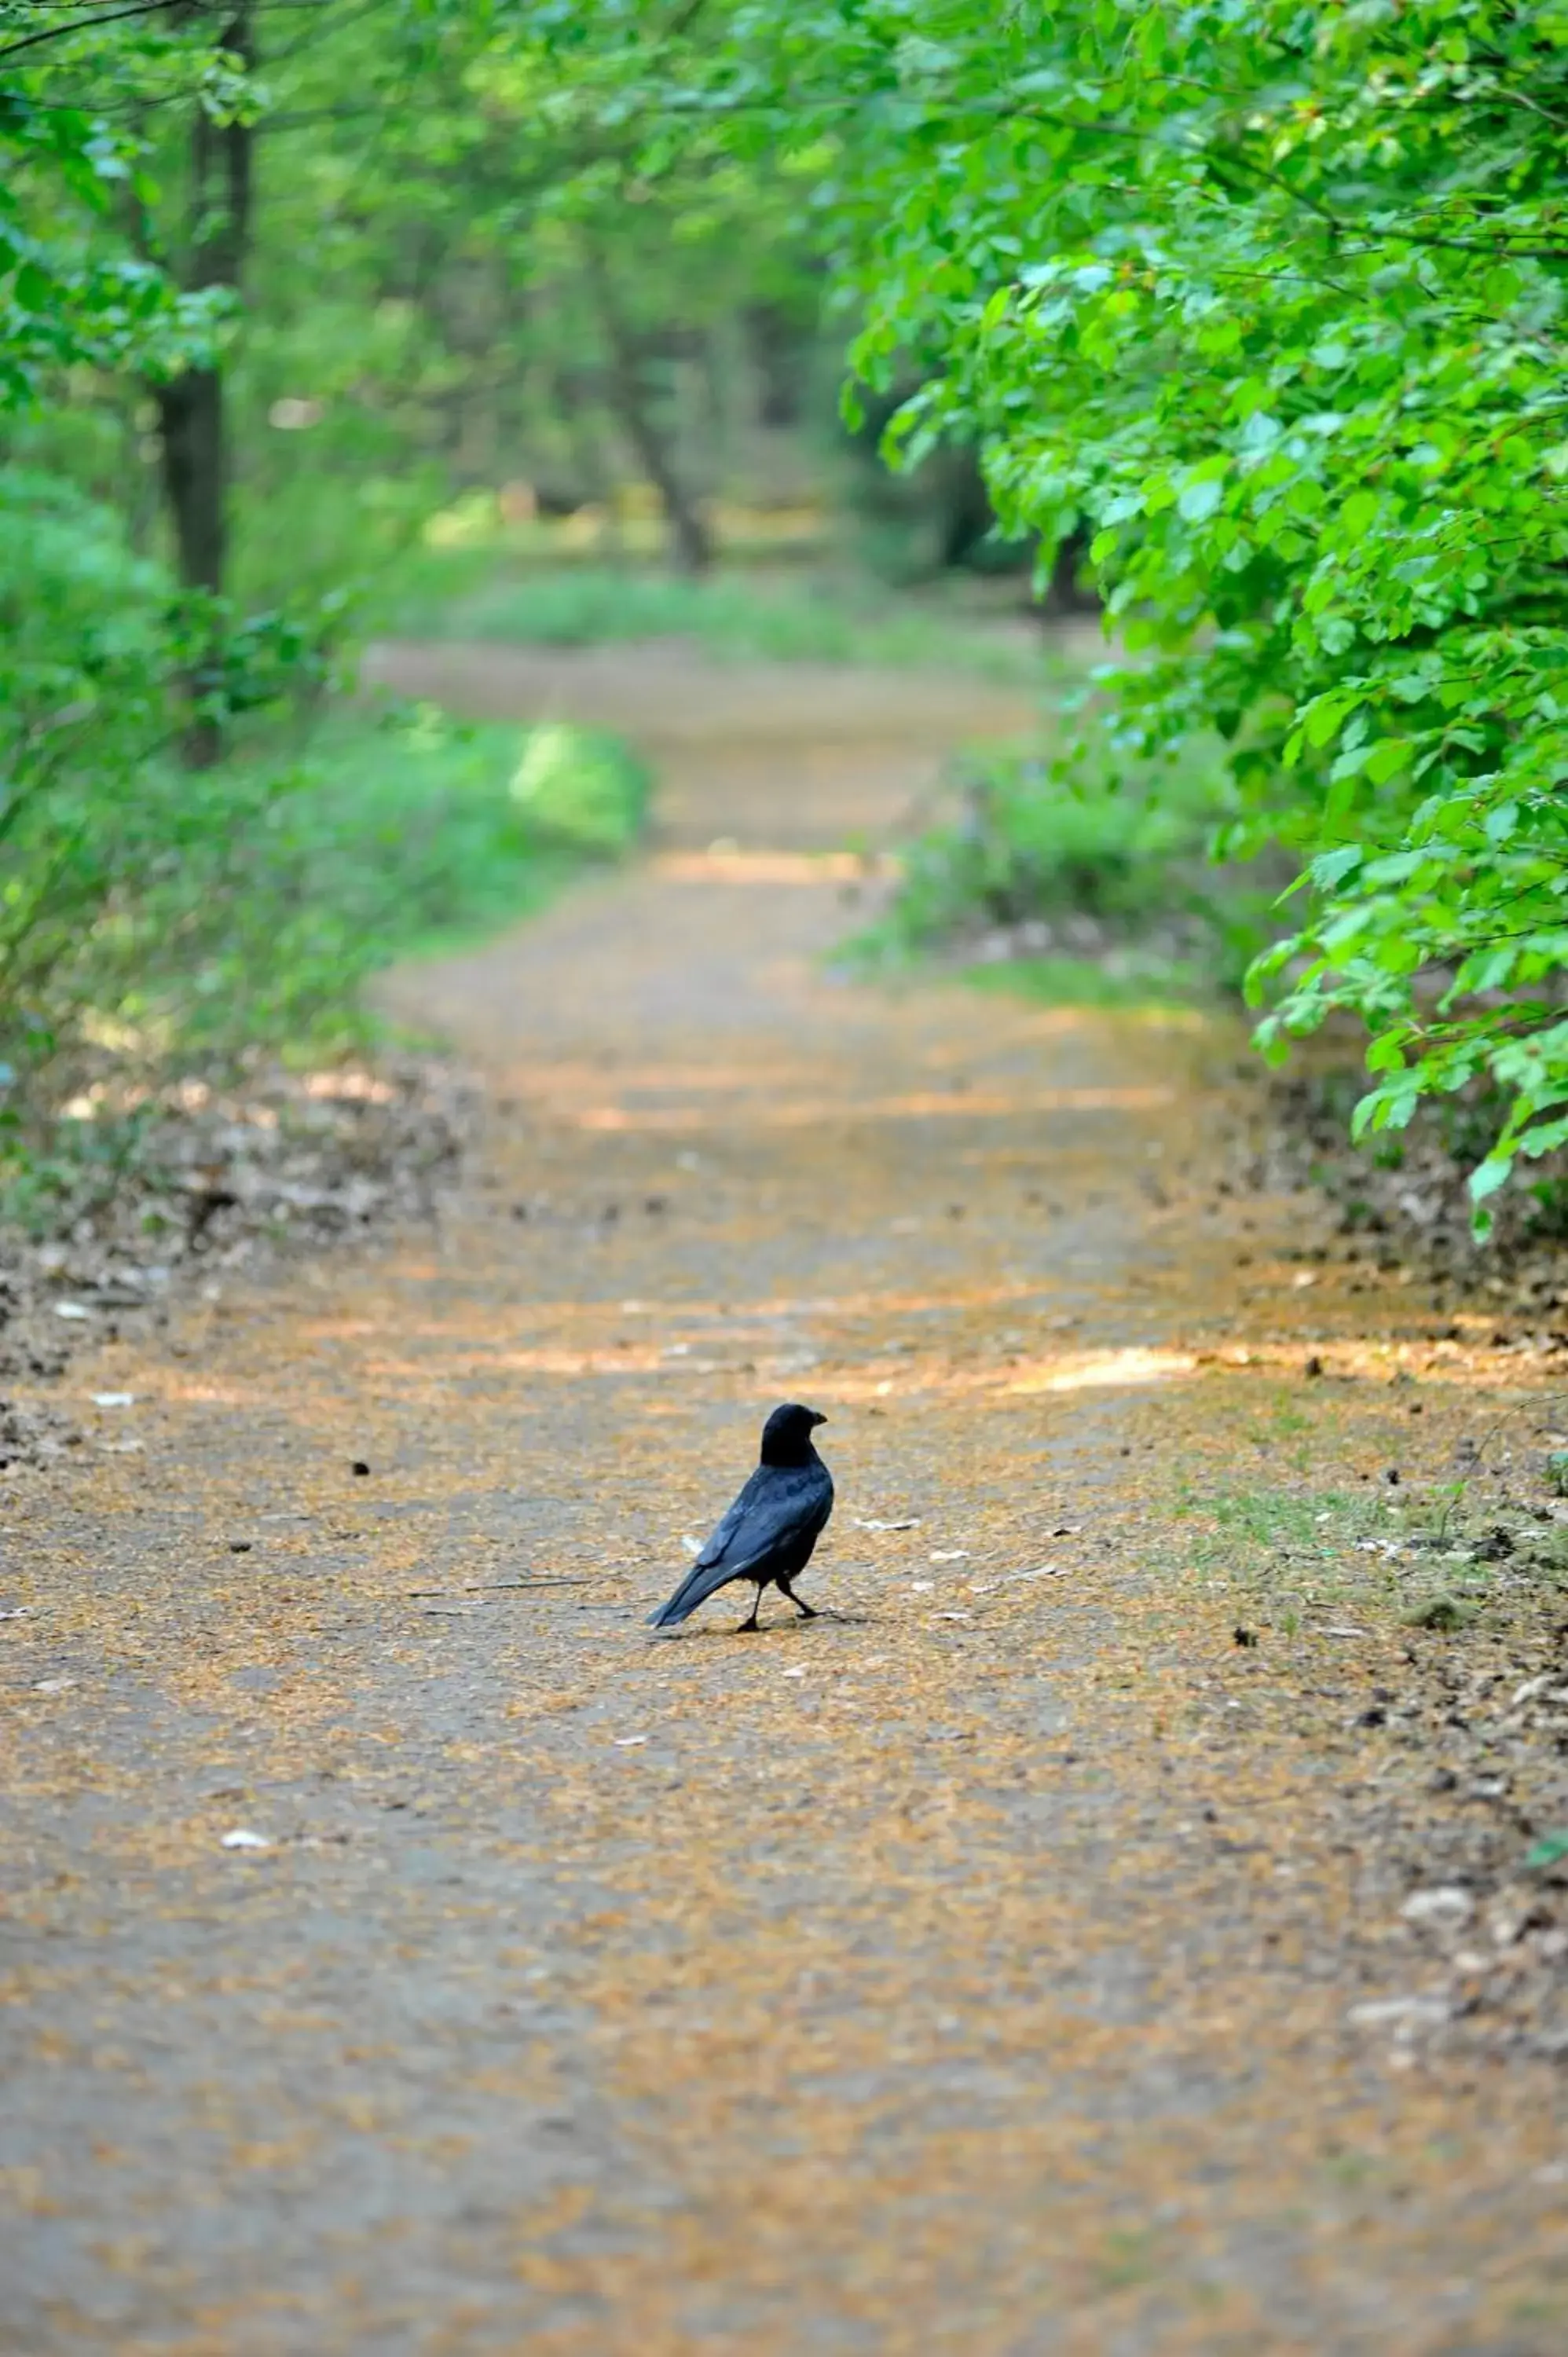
x=768, y=1533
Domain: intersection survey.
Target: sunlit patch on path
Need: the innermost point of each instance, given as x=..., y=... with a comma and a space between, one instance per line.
x=1104, y=1369
x=728, y=863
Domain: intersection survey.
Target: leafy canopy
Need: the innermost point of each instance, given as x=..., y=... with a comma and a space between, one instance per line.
x=1269, y=301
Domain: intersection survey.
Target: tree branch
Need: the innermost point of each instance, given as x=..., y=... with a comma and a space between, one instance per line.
x=85, y=25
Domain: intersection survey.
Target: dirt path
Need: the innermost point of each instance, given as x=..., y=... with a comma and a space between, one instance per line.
x=966, y=1971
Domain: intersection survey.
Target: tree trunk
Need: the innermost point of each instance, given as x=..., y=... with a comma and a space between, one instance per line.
x=690, y=545
x=192, y=444
x=190, y=438
x=781, y=359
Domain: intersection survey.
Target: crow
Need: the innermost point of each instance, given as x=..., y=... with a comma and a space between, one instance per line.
x=768, y=1533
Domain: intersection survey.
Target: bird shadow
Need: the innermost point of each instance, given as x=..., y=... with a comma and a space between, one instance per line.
x=714, y=1633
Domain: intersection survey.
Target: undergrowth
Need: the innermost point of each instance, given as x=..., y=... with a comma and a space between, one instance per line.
x=1093, y=892
x=1433, y=1556
x=270, y=887
x=1120, y=979
x=199, y=854
x=727, y=614
x=380, y=839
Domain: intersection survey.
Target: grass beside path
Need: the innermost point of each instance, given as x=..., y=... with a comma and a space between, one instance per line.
x=389, y=837
x=253, y=903
x=731, y=615
x=1164, y=984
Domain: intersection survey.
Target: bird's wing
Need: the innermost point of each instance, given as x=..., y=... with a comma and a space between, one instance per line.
x=724, y=1532
x=777, y=1504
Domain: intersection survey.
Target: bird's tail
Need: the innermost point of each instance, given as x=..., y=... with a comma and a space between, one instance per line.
x=695, y=1589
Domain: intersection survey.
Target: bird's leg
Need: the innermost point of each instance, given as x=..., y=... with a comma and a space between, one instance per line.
x=746, y=1626
x=807, y=1611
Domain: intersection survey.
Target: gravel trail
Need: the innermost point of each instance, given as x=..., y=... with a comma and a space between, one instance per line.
x=408, y=1954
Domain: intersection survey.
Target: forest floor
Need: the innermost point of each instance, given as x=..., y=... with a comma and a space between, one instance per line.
x=1110, y=1927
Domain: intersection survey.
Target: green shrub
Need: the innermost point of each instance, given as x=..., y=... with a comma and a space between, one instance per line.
x=1093, y=863
x=276, y=883
x=580, y=790
x=1026, y=847
x=84, y=699
x=151, y=913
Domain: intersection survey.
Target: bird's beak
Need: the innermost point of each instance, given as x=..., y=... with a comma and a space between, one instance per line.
x=816, y=1420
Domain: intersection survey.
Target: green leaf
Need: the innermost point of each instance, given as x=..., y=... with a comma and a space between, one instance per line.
x=33, y=288
x=1490, y=1176
x=1358, y=514
x=1331, y=868
x=1198, y=500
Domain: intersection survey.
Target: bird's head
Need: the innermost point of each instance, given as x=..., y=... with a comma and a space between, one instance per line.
x=786, y=1435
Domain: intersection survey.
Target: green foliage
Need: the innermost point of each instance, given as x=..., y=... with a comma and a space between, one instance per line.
x=439, y=277
x=255, y=897
x=1138, y=982
x=102, y=666
x=84, y=699
x=729, y=616
x=579, y=791
x=1293, y=351
x=1028, y=845
x=1265, y=303
x=1269, y=301
x=296, y=878
x=70, y=295
x=152, y=914
x=1081, y=860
